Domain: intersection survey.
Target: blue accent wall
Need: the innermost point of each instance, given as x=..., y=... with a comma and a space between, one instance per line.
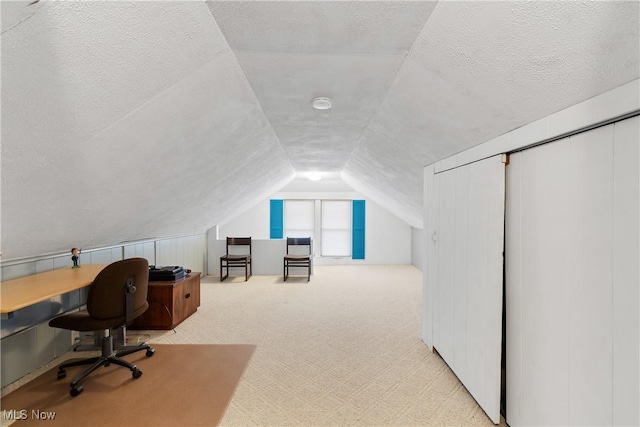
x=276, y=219
x=357, y=237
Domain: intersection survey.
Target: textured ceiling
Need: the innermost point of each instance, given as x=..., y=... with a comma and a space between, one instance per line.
x=127, y=120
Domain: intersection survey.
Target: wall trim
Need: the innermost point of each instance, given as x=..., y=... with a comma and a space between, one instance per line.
x=50, y=255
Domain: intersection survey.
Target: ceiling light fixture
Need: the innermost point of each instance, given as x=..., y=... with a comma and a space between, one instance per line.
x=321, y=103
x=314, y=177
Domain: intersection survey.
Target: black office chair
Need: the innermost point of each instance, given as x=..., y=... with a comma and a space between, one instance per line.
x=117, y=295
x=298, y=259
x=231, y=260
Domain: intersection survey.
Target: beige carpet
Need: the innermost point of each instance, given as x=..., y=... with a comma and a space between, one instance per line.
x=181, y=385
x=341, y=350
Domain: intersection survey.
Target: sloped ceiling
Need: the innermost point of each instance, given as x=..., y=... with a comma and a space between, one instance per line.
x=127, y=120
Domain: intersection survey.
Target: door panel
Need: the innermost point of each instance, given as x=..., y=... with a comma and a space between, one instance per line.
x=571, y=270
x=468, y=289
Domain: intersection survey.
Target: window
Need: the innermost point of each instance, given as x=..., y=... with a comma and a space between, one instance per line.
x=336, y=228
x=298, y=218
x=340, y=224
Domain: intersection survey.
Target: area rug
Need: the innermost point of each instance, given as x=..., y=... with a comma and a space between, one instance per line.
x=181, y=385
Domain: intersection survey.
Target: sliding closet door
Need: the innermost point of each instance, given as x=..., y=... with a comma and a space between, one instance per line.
x=572, y=280
x=467, y=284
x=626, y=273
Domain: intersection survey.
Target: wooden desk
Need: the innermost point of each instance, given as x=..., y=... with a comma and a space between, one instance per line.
x=29, y=290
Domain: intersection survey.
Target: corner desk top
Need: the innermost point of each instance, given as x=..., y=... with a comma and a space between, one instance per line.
x=25, y=291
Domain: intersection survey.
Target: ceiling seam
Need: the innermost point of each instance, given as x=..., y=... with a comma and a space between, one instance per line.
x=255, y=97
x=156, y=95
x=358, y=143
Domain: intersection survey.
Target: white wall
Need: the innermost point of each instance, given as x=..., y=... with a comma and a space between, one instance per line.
x=189, y=252
x=418, y=248
x=388, y=239
x=252, y=223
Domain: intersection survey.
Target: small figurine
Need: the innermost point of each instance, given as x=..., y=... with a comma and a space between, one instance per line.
x=75, y=257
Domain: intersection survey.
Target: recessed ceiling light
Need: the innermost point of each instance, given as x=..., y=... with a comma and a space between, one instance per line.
x=314, y=177
x=321, y=103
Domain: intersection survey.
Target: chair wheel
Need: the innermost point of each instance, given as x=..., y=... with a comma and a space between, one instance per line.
x=76, y=390
x=136, y=373
x=150, y=352
x=62, y=374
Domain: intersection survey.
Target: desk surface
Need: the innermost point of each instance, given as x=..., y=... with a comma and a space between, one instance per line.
x=25, y=291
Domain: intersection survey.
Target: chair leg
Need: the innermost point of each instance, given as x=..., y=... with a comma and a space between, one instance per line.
x=225, y=276
x=108, y=357
x=89, y=361
x=102, y=361
x=122, y=363
x=133, y=349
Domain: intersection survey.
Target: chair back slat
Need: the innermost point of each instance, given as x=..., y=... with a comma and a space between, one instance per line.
x=299, y=241
x=238, y=241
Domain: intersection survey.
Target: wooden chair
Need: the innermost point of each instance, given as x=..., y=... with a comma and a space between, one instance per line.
x=231, y=260
x=298, y=259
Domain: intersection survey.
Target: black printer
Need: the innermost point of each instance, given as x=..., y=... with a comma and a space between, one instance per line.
x=168, y=273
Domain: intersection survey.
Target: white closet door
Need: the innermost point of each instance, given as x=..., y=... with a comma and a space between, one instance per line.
x=626, y=273
x=571, y=272
x=537, y=340
x=467, y=291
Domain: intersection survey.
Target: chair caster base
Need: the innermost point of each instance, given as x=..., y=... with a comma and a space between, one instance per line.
x=150, y=352
x=62, y=374
x=136, y=373
x=76, y=390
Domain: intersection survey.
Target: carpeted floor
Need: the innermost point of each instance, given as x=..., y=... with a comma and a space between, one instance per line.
x=181, y=385
x=343, y=349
